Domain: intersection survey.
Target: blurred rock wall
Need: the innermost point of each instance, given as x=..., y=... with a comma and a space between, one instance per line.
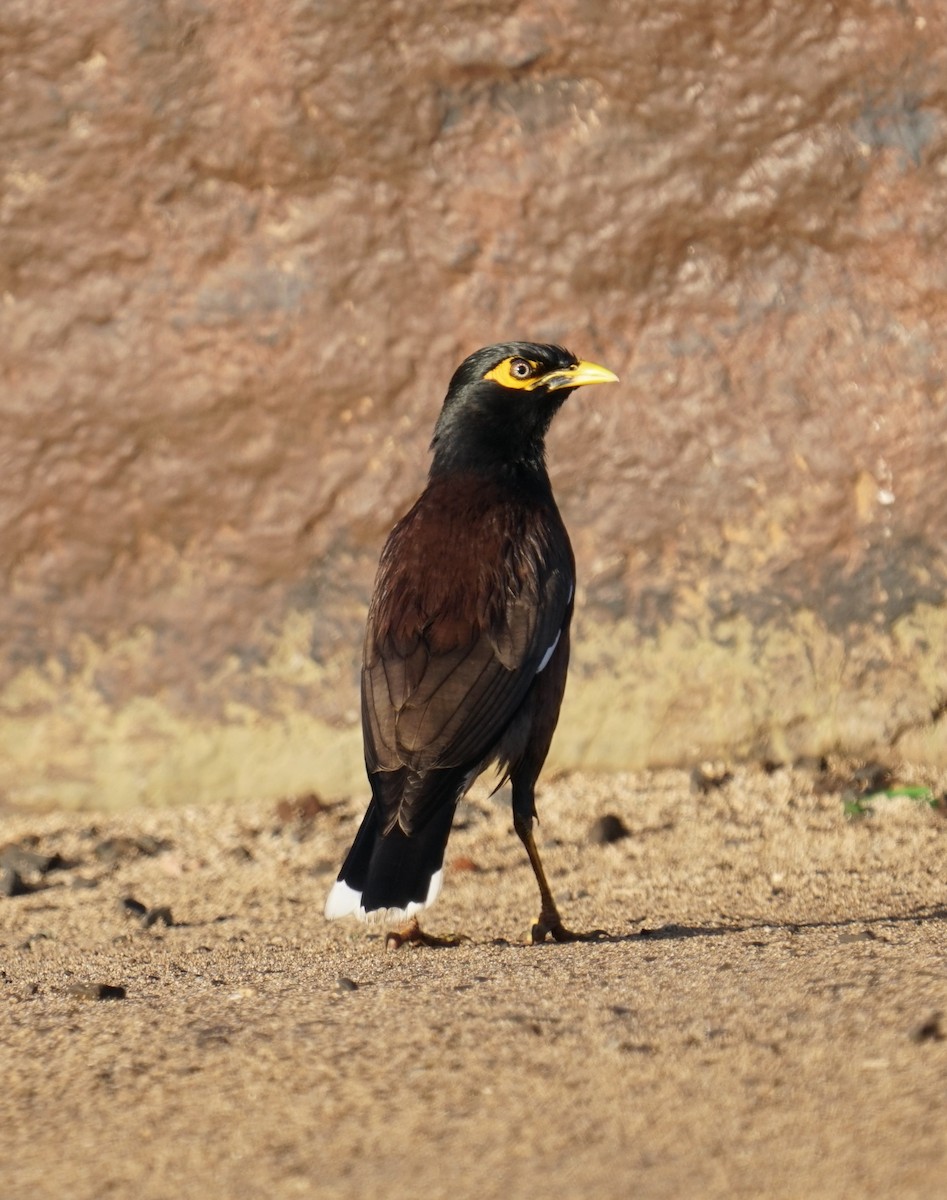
x=243, y=245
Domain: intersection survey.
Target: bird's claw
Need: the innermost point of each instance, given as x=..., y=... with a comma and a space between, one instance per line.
x=413, y=935
x=553, y=927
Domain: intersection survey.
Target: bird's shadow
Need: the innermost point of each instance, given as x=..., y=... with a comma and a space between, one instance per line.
x=674, y=932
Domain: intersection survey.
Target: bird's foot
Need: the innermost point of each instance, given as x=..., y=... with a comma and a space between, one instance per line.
x=550, y=925
x=413, y=935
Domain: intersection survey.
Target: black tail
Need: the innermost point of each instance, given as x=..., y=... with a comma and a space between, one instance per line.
x=393, y=875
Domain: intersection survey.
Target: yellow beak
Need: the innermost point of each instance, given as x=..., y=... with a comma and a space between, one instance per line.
x=577, y=376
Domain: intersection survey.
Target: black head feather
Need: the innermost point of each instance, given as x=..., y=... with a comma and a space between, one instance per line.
x=490, y=425
x=481, y=362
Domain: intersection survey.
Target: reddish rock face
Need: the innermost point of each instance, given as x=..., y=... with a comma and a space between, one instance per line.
x=242, y=249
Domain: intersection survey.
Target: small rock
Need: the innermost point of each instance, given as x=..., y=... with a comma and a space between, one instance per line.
x=148, y=916
x=12, y=883
x=866, y=935
x=21, y=858
x=115, y=849
x=84, y=881
x=347, y=985
x=872, y=777
x=607, y=829
x=301, y=810
x=160, y=915
x=932, y=1030
x=95, y=991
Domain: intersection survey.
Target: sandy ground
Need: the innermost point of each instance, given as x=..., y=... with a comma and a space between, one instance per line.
x=768, y=1019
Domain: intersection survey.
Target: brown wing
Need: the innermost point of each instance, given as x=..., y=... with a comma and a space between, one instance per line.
x=474, y=587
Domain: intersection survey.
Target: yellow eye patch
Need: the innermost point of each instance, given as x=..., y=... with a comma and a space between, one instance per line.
x=515, y=372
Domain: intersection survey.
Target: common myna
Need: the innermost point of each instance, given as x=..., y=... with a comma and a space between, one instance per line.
x=467, y=645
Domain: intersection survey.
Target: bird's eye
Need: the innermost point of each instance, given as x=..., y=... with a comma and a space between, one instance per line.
x=520, y=368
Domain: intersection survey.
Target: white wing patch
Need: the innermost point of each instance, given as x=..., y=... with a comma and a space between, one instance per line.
x=548, y=655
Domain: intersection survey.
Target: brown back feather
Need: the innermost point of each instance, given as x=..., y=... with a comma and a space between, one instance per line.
x=473, y=586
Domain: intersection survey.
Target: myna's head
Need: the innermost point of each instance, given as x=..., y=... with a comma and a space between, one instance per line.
x=501, y=400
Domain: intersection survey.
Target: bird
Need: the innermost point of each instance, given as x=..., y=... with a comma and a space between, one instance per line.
x=466, y=647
